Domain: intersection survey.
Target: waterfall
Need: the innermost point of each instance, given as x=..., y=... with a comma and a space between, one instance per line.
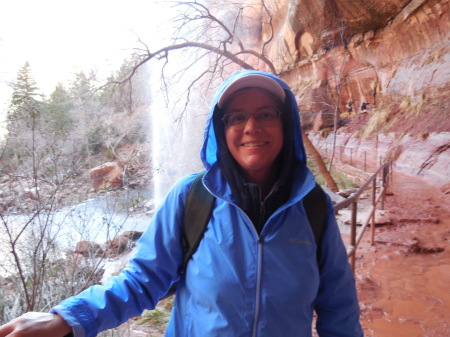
x=176, y=137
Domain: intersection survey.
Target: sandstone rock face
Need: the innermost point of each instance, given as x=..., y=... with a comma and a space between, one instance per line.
x=393, y=54
x=427, y=158
x=105, y=176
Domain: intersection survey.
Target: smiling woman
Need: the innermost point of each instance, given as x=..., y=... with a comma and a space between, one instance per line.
x=255, y=141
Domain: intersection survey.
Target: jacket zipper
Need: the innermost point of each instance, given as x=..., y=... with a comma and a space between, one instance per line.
x=259, y=265
x=260, y=252
x=262, y=211
x=259, y=270
x=258, y=286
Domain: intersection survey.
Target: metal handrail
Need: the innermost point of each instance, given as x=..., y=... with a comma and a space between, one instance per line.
x=355, y=237
x=355, y=157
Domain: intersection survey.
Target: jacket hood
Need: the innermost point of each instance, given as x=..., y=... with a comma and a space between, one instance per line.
x=209, y=152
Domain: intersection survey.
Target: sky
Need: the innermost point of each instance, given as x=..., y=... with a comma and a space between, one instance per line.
x=60, y=38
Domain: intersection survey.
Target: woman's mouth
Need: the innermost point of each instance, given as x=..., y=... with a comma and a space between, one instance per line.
x=254, y=144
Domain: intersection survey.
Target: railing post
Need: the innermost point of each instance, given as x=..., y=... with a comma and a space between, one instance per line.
x=372, y=226
x=353, y=234
x=351, y=153
x=391, y=173
x=365, y=168
x=383, y=196
x=388, y=176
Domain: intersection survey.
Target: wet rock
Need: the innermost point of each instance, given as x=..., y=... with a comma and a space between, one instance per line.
x=430, y=220
x=346, y=193
x=122, y=243
x=446, y=188
x=88, y=248
x=106, y=176
x=132, y=235
x=419, y=249
x=398, y=242
x=382, y=217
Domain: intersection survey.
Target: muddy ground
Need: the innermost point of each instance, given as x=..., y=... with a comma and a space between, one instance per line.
x=403, y=280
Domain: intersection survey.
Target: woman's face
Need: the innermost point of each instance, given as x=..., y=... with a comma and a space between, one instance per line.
x=254, y=144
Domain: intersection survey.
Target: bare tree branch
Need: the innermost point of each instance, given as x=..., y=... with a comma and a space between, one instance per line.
x=269, y=39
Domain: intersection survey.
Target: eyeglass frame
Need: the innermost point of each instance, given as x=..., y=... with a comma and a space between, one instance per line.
x=247, y=117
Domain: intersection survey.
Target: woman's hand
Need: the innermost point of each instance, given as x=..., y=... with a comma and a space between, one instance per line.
x=36, y=324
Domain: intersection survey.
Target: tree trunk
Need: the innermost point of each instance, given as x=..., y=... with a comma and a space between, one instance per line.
x=310, y=148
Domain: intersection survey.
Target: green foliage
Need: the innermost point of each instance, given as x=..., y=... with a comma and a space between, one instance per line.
x=341, y=179
x=57, y=111
x=124, y=94
x=109, y=154
x=25, y=102
x=159, y=317
x=95, y=139
x=377, y=123
x=81, y=88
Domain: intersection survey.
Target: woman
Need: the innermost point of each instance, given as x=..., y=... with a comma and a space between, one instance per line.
x=255, y=272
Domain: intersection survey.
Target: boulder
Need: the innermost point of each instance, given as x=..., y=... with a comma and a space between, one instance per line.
x=107, y=176
x=88, y=248
x=122, y=243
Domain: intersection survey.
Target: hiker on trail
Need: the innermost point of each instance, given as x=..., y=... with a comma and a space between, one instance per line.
x=364, y=106
x=349, y=106
x=259, y=269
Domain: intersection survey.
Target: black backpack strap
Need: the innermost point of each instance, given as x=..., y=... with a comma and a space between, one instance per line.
x=197, y=212
x=315, y=203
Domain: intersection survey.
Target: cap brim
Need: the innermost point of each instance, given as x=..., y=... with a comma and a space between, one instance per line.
x=252, y=81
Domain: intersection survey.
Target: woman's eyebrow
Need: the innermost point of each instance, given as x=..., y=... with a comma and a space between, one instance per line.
x=228, y=111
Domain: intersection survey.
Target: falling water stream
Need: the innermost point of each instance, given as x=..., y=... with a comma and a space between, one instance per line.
x=176, y=133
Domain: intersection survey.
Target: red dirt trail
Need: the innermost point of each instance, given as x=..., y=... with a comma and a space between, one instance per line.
x=403, y=280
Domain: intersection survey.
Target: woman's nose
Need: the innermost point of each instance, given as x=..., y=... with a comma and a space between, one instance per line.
x=251, y=125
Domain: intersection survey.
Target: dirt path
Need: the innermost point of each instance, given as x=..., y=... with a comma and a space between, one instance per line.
x=404, y=279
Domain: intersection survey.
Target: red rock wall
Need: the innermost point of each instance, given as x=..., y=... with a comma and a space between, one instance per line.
x=427, y=158
x=394, y=54
x=398, y=52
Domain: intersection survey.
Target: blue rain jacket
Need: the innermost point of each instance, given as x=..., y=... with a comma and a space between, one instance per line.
x=238, y=282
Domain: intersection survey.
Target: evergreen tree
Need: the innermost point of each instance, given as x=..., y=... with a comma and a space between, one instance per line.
x=57, y=111
x=123, y=94
x=88, y=116
x=25, y=103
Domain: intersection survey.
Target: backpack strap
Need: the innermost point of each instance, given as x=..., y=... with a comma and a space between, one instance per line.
x=197, y=212
x=315, y=203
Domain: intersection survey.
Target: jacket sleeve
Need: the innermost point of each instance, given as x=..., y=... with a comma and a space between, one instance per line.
x=153, y=269
x=336, y=304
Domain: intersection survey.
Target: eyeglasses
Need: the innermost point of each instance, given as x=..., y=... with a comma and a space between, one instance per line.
x=265, y=117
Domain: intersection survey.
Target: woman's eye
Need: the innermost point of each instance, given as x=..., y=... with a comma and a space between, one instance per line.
x=267, y=115
x=237, y=118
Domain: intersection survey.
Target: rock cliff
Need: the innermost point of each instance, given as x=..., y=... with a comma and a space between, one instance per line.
x=392, y=54
x=386, y=53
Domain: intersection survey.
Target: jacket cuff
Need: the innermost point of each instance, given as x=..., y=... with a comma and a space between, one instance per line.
x=78, y=316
